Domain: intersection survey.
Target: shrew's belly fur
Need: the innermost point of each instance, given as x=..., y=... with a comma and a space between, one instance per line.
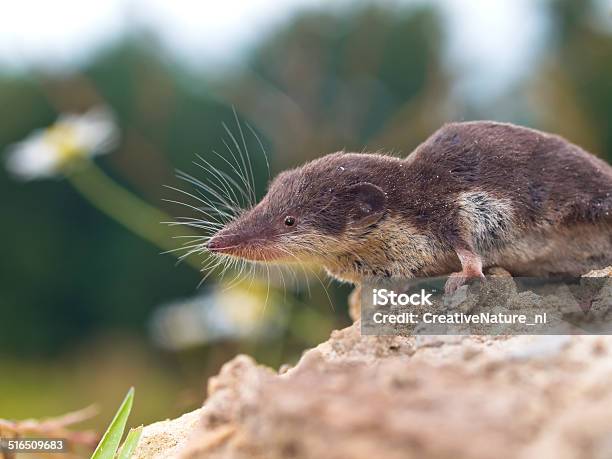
x=545, y=251
x=569, y=251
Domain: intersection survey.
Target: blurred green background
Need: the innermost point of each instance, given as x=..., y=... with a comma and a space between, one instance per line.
x=83, y=301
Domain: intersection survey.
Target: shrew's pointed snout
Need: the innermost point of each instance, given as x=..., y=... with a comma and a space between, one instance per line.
x=212, y=245
x=222, y=243
x=246, y=246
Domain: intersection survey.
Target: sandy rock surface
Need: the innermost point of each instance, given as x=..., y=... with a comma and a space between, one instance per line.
x=362, y=397
x=165, y=439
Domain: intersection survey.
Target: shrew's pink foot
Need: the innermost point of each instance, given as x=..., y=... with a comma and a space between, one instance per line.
x=471, y=265
x=456, y=280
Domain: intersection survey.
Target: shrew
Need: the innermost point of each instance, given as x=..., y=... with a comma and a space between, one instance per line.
x=473, y=195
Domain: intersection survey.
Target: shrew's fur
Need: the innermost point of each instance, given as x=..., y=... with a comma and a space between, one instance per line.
x=473, y=195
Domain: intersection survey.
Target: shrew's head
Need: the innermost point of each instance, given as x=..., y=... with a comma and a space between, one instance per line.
x=310, y=213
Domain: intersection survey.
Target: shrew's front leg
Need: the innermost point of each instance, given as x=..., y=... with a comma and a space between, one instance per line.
x=471, y=267
x=354, y=303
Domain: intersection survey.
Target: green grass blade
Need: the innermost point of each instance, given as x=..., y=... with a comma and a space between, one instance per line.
x=129, y=445
x=112, y=437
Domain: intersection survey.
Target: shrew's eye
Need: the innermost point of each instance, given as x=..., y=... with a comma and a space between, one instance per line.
x=289, y=221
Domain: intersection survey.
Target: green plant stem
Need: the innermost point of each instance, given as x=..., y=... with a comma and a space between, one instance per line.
x=127, y=209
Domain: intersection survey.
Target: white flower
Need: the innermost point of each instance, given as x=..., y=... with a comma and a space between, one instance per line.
x=47, y=152
x=236, y=313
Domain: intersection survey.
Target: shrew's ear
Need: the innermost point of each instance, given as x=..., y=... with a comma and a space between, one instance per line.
x=368, y=204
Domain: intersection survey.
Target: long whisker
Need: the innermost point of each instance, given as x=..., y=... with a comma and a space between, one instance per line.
x=246, y=152
x=229, y=184
x=243, y=191
x=242, y=175
x=243, y=162
x=263, y=150
x=198, y=183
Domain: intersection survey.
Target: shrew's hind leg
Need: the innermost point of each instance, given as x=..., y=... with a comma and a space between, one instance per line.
x=471, y=267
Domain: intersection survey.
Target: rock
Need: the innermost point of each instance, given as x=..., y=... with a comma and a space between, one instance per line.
x=165, y=438
x=361, y=397
x=606, y=272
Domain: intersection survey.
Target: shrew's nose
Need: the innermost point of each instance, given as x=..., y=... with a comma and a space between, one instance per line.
x=214, y=244
x=220, y=243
